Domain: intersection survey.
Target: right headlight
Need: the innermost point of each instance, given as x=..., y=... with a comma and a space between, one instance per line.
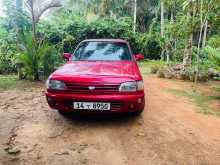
x=132, y=86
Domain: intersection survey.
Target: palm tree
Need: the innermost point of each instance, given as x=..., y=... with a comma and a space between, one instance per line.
x=33, y=55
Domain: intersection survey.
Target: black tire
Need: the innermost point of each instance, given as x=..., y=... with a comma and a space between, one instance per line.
x=137, y=113
x=64, y=113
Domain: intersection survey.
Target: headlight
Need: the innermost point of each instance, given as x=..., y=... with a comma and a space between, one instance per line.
x=55, y=84
x=132, y=86
x=140, y=85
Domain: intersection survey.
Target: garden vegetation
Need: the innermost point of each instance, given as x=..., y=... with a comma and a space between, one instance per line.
x=182, y=35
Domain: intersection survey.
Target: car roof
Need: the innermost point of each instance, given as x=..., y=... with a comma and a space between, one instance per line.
x=106, y=40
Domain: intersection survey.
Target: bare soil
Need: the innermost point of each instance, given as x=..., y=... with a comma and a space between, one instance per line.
x=170, y=131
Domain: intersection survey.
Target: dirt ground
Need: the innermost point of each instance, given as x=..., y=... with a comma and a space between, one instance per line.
x=170, y=131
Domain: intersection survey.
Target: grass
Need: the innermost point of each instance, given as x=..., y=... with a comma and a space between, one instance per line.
x=216, y=89
x=200, y=100
x=8, y=82
x=146, y=65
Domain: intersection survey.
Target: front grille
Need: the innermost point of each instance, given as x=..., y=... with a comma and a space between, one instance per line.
x=98, y=88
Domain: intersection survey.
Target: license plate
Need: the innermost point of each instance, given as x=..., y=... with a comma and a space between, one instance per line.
x=92, y=106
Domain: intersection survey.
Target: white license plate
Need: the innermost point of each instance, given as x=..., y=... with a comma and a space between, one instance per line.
x=92, y=106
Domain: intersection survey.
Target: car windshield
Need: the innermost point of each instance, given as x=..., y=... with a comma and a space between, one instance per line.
x=102, y=51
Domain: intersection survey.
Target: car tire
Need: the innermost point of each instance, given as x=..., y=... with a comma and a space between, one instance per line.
x=137, y=113
x=64, y=113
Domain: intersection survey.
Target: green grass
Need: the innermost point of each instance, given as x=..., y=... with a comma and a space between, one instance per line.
x=216, y=89
x=7, y=82
x=200, y=100
x=146, y=65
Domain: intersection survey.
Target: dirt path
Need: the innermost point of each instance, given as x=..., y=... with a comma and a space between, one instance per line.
x=170, y=131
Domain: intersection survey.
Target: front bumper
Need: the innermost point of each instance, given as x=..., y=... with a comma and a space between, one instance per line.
x=119, y=103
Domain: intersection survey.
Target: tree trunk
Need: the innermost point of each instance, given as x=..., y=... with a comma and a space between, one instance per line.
x=19, y=29
x=201, y=29
x=172, y=17
x=175, y=45
x=135, y=16
x=33, y=22
x=36, y=76
x=205, y=33
x=19, y=33
x=167, y=56
x=187, y=61
x=162, y=18
x=162, y=24
x=199, y=42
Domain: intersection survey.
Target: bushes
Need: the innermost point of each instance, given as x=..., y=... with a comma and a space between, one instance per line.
x=178, y=72
x=156, y=65
x=7, y=53
x=149, y=44
x=69, y=35
x=37, y=56
x=79, y=29
x=65, y=38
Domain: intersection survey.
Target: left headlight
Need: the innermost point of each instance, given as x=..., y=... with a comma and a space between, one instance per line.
x=132, y=86
x=55, y=84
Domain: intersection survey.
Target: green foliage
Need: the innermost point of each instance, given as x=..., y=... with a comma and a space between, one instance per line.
x=68, y=36
x=149, y=44
x=79, y=30
x=7, y=52
x=14, y=21
x=213, y=56
x=87, y=19
x=15, y=18
x=35, y=56
x=214, y=41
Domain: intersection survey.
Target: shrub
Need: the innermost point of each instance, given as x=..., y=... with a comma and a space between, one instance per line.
x=161, y=73
x=184, y=75
x=154, y=69
x=155, y=65
x=37, y=57
x=168, y=74
x=203, y=76
x=79, y=29
x=7, y=54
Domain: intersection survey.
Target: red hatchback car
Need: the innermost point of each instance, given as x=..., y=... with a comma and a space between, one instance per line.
x=102, y=75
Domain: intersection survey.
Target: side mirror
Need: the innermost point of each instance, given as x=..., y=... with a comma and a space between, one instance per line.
x=67, y=56
x=139, y=57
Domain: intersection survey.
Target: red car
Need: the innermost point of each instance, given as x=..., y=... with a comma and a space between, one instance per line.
x=102, y=75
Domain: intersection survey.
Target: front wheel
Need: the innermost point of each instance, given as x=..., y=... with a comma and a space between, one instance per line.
x=137, y=113
x=64, y=113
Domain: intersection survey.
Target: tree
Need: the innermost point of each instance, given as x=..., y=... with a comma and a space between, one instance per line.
x=33, y=55
x=37, y=8
x=190, y=7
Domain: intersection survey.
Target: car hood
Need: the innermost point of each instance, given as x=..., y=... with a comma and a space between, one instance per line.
x=82, y=71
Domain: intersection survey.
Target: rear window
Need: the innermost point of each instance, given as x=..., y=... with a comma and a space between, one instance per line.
x=102, y=51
